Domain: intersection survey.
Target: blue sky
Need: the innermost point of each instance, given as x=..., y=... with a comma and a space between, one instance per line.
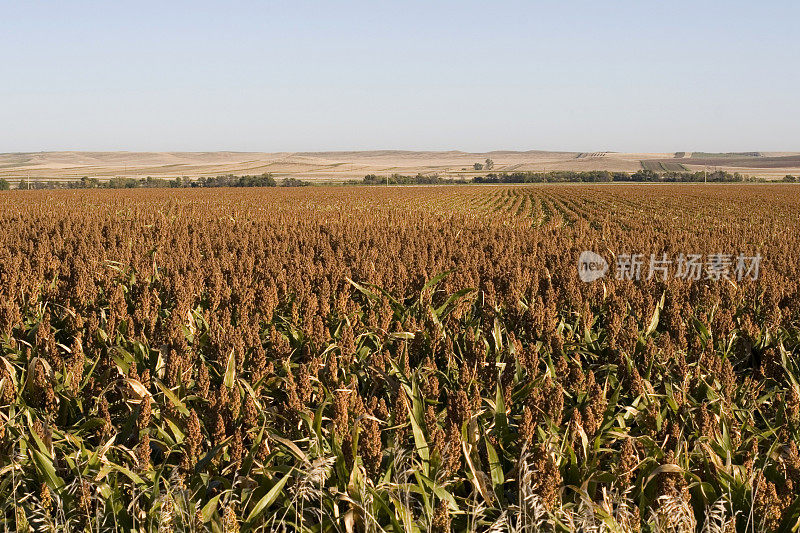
x=296, y=75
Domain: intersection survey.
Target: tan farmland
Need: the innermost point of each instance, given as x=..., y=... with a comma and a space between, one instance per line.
x=340, y=166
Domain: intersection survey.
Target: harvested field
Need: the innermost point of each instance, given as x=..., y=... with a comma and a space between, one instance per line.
x=725, y=155
x=791, y=161
x=662, y=166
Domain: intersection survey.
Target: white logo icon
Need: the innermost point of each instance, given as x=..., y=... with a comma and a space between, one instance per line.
x=591, y=266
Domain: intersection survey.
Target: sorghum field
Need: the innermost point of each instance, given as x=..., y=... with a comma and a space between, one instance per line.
x=365, y=359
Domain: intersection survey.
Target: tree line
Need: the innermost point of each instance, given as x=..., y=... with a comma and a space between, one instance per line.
x=566, y=176
x=267, y=180
x=400, y=179
x=600, y=176
x=226, y=180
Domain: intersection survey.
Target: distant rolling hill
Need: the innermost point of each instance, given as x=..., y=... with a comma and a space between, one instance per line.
x=345, y=165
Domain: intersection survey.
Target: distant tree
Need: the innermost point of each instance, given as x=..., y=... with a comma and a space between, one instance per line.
x=644, y=175
x=90, y=183
x=788, y=178
x=4, y=185
x=154, y=183
x=121, y=182
x=294, y=182
x=477, y=166
x=489, y=164
x=262, y=180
